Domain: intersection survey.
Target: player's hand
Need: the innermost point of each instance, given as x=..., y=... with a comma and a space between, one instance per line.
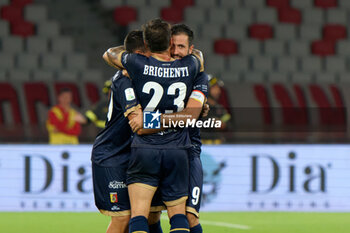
x=125, y=73
x=136, y=122
x=199, y=55
x=205, y=110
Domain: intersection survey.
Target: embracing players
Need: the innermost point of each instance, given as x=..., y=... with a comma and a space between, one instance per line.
x=182, y=45
x=160, y=160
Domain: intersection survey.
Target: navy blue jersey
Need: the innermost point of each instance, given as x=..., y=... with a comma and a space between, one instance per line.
x=163, y=86
x=201, y=85
x=115, y=139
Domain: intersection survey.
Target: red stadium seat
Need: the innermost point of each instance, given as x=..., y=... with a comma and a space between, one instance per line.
x=34, y=93
x=224, y=100
x=340, y=115
x=323, y=48
x=11, y=13
x=8, y=93
x=92, y=92
x=278, y=3
x=329, y=115
x=334, y=32
x=172, y=14
x=22, y=28
x=124, y=15
x=289, y=15
x=182, y=3
x=326, y=3
x=225, y=47
x=262, y=96
x=21, y=3
x=261, y=31
x=293, y=114
x=73, y=87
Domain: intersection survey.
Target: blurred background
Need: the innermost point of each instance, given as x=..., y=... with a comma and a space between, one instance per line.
x=282, y=65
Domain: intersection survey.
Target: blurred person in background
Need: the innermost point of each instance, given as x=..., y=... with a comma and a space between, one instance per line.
x=217, y=111
x=63, y=123
x=98, y=112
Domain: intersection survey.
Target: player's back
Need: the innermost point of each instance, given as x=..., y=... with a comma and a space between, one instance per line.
x=164, y=86
x=116, y=137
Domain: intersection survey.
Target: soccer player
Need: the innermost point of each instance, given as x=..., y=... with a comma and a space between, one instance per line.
x=111, y=151
x=159, y=160
x=182, y=45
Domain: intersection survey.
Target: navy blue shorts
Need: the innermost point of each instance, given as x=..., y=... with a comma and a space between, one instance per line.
x=111, y=192
x=166, y=169
x=195, y=183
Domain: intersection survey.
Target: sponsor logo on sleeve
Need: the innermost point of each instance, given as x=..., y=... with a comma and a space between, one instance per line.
x=129, y=94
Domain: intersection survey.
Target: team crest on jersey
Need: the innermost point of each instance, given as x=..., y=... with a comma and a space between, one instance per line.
x=151, y=120
x=113, y=197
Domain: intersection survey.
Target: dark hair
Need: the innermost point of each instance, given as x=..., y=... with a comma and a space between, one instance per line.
x=64, y=90
x=134, y=41
x=156, y=34
x=178, y=29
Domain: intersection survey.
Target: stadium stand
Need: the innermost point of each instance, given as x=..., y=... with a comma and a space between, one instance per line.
x=37, y=58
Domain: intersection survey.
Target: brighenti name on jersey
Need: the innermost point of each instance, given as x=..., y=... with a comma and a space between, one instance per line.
x=166, y=72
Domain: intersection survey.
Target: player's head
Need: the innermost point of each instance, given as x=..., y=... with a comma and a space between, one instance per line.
x=134, y=43
x=65, y=97
x=182, y=41
x=156, y=34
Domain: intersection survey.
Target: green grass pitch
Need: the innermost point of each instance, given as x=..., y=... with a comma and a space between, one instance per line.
x=213, y=222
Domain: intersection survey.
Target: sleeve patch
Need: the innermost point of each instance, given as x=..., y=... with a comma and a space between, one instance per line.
x=201, y=87
x=198, y=95
x=129, y=94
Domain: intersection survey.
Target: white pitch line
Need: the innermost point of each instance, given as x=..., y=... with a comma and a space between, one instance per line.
x=225, y=224
x=219, y=224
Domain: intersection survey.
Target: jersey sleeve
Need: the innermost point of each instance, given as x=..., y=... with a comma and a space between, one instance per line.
x=193, y=63
x=126, y=97
x=132, y=62
x=200, y=87
x=199, y=62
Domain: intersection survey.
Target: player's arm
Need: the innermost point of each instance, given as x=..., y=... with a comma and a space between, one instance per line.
x=195, y=103
x=198, y=54
x=192, y=111
x=113, y=57
x=137, y=116
x=106, y=58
